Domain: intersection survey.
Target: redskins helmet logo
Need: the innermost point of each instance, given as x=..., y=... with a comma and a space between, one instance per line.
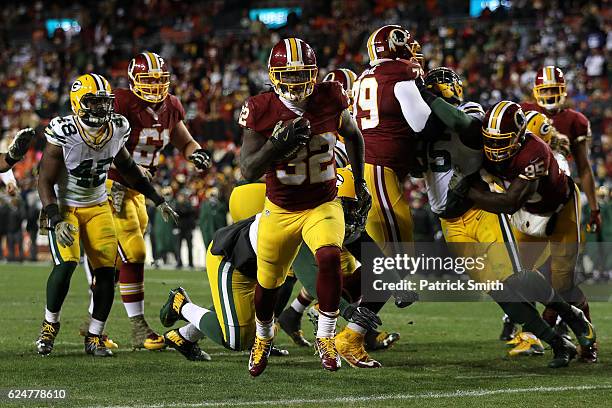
x=76, y=85
x=519, y=119
x=397, y=38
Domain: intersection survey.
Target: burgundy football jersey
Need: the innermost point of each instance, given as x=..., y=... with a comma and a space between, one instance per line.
x=309, y=179
x=535, y=161
x=389, y=141
x=571, y=123
x=151, y=129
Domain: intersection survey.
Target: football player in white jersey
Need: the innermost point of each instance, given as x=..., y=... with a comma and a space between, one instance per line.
x=80, y=149
x=450, y=156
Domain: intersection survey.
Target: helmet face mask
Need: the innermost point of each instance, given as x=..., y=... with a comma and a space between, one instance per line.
x=418, y=57
x=294, y=85
x=503, y=131
x=292, y=68
x=445, y=83
x=149, y=77
x=96, y=110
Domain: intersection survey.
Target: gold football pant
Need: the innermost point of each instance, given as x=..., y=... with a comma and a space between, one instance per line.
x=131, y=224
x=95, y=230
x=562, y=246
x=233, y=299
x=389, y=220
x=478, y=233
x=281, y=232
x=247, y=200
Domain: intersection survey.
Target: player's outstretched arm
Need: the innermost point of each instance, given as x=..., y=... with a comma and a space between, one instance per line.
x=138, y=181
x=508, y=202
x=256, y=154
x=189, y=148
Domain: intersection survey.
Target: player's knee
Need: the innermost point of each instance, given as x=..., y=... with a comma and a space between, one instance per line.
x=328, y=259
x=269, y=280
x=135, y=251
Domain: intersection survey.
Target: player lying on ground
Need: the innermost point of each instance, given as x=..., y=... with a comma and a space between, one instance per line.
x=80, y=149
x=462, y=223
x=231, y=266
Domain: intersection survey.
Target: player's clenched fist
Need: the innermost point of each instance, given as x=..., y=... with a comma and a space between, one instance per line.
x=290, y=136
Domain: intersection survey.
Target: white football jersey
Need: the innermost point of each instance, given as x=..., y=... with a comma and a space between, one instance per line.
x=83, y=181
x=446, y=153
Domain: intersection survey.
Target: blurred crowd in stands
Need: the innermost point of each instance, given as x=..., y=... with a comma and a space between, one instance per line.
x=218, y=57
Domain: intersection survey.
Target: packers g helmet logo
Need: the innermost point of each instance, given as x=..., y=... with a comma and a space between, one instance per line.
x=76, y=85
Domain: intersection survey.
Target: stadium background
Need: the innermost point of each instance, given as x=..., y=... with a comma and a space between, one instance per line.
x=218, y=50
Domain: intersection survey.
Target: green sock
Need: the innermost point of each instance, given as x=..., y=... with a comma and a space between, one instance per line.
x=209, y=325
x=58, y=285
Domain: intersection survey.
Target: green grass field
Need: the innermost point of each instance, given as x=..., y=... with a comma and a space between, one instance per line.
x=448, y=357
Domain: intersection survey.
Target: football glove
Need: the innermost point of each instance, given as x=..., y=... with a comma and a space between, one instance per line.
x=362, y=316
x=594, y=224
x=64, y=233
x=288, y=139
x=364, y=199
x=201, y=159
x=21, y=143
x=560, y=143
x=117, y=194
x=168, y=213
x=459, y=183
x=425, y=92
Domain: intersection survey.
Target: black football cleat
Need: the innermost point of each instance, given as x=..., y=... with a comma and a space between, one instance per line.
x=48, y=333
x=563, y=350
x=278, y=352
x=190, y=350
x=171, y=310
x=508, y=330
x=582, y=328
x=291, y=323
x=375, y=340
x=588, y=354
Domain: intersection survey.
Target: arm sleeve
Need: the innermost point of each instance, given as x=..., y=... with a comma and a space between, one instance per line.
x=8, y=177
x=415, y=110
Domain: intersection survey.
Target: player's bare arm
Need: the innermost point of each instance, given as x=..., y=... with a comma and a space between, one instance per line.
x=507, y=202
x=580, y=151
x=256, y=155
x=51, y=165
x=189, y=148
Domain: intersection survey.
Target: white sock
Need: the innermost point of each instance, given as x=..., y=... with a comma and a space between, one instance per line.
x=191, y=333
x=298, y=306
x=356, y=328
x=96, y=326
x=134, y=308
x=264, y=330
x=193, y=313
x=51, y=317
x=327, y=324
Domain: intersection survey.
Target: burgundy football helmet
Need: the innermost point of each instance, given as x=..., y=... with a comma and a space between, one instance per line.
x=346, y=77
x=549, y=88
x=503, y=130
x=292, y=68
x=149, y=77
x=391, y=42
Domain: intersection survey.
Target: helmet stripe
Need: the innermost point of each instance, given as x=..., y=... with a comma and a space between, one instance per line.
x=371, y=49
x=153, y=60
x=148, y=58
x=348, y=79
x=294, y=53
x=99, y=83
x=288, y=50
x=299, y=49
x=496, y=114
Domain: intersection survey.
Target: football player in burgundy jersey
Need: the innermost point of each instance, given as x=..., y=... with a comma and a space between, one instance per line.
x=289, y=136
x=390, y=112
x=550, y=93
x=543, y=201
x=156, y=118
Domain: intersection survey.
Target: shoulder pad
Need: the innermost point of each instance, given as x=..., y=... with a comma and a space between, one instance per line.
x=121, y=124
x=59, y=129
x=473, y=109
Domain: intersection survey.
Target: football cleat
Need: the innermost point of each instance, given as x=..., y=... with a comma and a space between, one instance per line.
x=562, y=330
x=291, y=323
x=525, y=344
x=189, y=349
x=326, y=348
x=143, y=336
x=375, y=340
x=588, y=354
x=171, y=310
x=258, y=359
x=350, y=346
x=509, y=330
x=278, y=352
x=84, y=329
x=563, y=350
x=48, y=333
x=94, y=345
x=582, y=328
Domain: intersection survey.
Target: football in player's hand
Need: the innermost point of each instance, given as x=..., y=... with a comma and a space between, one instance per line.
x=290, y=136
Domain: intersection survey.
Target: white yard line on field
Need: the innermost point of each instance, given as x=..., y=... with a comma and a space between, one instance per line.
x=384, y=397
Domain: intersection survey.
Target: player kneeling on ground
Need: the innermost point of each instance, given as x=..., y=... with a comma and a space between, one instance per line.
x=80, y=149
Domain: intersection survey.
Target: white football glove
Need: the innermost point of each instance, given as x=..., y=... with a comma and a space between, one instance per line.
x=168, y=213
x=65, y=232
